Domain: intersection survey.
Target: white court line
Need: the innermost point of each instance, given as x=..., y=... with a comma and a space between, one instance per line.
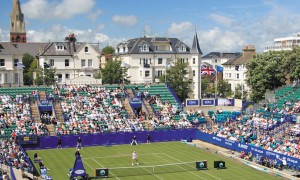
x=142, y=167
x=88, y=164
x=180, y=167
x=200, y=171
x=100, y=157
x=103, y=167
x=126, y=165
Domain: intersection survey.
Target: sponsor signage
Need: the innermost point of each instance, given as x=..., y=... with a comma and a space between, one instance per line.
x=237, y=146
x=208, y=102
x=192, y=102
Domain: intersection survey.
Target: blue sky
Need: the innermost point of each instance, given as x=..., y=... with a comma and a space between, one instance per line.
x=222, y=25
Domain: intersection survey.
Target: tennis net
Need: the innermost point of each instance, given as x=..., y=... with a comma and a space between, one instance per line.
x=139, y=170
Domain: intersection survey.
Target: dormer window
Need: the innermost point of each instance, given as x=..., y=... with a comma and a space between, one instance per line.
x=86, y=49
x=182, y=48
x=61, y=48
x=144, y=48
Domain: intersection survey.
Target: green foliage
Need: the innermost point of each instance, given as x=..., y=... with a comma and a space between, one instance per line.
x=292, y=64
x=177, y=77
x=27, y=60
x=224, y=89
x=49, y=76
x=265, y=72
x=113, y=72
x=238, y=92
x=204, y=85
x=108, y=50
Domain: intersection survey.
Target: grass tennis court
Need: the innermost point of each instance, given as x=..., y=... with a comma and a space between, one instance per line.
x=149, y=155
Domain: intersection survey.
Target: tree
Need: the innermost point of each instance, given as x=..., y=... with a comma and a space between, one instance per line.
x=49, y=76
x=292, y=64
x=177, y=77
x=113, y=72
x=238, y=92
x=108, y=50
x=71, y=38
x=265, y=72
x=224, y=89
x=27, y=60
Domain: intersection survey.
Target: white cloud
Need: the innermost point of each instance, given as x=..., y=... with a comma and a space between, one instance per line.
x=180, y=28
x=36, y=9
x=100, y=27
x=93, y=15
x=58, y=33
x=65, y=9
x=125, y=20
x=69, y=8
x=4, y=35
x=218, y=40
x=222, y=19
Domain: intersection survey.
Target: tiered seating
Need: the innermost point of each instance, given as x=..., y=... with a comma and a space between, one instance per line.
x=295, y=96
x=22, y=90
x=222, y=116
x=284, y=91
x=15, y=117
x=154, y=90
x=93, y=110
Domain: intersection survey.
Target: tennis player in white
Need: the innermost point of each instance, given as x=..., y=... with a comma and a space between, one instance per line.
x=134, y=158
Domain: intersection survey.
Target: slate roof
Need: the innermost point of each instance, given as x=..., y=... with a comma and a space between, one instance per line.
x=134, y=45
x=68, y=48
x=222, y=55
x=196, y=47
x=7, y=48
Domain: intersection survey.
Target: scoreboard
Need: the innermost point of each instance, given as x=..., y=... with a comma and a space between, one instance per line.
x=28, y=139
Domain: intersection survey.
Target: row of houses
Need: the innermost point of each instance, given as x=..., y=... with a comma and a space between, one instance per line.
x=147, y=57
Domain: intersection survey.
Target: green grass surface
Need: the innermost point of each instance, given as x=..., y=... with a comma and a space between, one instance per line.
x=60, y=160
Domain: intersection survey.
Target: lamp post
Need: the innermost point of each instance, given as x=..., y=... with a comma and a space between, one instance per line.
x=19, y=67
x=124, y=65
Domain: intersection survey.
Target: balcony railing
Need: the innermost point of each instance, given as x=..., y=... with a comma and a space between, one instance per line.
x=282, y=47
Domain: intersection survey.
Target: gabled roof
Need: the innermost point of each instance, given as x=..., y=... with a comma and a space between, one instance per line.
x=248, y=54
x=8, y=48
x=69, y=49
x=133, y=45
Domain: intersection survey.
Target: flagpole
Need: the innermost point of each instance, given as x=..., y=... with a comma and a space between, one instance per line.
x=216, y=86
x=242, y=82
x=200, y=81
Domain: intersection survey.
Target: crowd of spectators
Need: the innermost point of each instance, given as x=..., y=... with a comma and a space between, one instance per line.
x=166, y=116
x=11, y=154
x=15, y=116
x=94, y=110
x=279, y=135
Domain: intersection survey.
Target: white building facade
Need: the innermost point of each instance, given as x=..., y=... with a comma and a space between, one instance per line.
x=235, y=69
x=10, y=56
x=71, y=60
x=284, y=43
x=149, y=58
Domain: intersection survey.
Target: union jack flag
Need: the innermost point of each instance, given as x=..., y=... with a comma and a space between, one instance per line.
x=207, y=70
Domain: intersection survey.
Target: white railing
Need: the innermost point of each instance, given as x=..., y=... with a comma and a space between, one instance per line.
x=281, y=47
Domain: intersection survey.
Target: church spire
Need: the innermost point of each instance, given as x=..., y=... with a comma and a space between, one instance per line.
x=17, y=26
x=196, y=47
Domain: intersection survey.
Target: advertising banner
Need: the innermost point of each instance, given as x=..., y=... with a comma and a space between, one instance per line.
x=236, y=146
x=192, y=102
x=208, y=102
